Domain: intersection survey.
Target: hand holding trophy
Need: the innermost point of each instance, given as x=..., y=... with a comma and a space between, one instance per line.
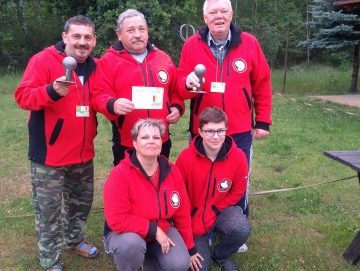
x=69, y=63
x=199, y=71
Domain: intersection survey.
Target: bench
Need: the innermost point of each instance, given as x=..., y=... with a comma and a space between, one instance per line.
x=351, y=159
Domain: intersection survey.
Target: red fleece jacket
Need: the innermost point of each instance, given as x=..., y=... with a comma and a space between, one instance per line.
x=118, y=72
x=212, y=186
x=132, y=203
x=56, y=136
x=245, y=73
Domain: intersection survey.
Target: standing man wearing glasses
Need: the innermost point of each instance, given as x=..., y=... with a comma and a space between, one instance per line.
x=215, y=173
x=237, y=79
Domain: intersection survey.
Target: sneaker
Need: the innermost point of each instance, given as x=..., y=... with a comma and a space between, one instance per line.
x=243, y=248
x=226, y=265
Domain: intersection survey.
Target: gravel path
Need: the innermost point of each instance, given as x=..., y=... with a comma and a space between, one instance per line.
x=351, y=100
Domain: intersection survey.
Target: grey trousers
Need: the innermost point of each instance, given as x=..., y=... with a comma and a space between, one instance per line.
x=235, y=228
x=130, y=251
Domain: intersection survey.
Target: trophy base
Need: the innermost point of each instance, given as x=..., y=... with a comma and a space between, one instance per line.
x=197, y=91
x=68, y=82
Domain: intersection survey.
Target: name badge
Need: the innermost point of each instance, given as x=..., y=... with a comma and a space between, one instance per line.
x=82, y=111
x=147, y=97
x=217, y=87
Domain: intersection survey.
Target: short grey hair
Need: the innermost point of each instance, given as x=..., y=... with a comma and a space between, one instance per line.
x=152, y=123
x=128, y=14
x=208, y=1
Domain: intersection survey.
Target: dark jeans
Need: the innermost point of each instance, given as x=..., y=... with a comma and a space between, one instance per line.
x=244, y=142
x=119, y=151
x=235, y=228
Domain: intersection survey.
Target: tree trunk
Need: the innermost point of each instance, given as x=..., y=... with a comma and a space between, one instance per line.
x=37, y=9
x=286, y=58
x=308, y=31
x=12, y=12
x=22, y=17
x=355, y=73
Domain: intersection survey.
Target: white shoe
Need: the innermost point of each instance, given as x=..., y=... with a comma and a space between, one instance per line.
x=243, y=248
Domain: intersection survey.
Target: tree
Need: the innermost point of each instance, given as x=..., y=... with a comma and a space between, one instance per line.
x=164, y=18
x=335, y=29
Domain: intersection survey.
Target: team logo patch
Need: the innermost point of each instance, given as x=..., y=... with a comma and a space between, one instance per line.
x=239, y=65
x=175, y=199
x=224, y=185
x=163, y=76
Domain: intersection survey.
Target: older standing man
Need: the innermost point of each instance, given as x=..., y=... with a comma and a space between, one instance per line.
x=62, y=128
x=133, y=67
x=237, y=79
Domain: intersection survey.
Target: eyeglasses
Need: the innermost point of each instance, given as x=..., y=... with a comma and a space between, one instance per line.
x=211, y=133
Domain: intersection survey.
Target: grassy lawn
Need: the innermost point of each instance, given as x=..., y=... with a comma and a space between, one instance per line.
x=306, y=229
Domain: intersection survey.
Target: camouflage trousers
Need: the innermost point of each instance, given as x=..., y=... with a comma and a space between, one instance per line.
x=62, y=198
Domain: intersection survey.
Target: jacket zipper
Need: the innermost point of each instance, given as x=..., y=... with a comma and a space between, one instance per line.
x=159, y=205
x=152, y=85
x=165, y=202
x=207, y=194
x=213, y=193
x=84, y=135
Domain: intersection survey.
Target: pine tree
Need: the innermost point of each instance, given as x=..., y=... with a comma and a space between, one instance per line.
x=335, y=29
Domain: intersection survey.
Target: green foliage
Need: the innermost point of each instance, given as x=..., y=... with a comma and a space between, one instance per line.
x=163, y=17
x=17, y=47
x=335, y=29
x=337, y=58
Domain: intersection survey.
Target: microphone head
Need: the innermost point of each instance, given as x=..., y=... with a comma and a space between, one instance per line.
x=199, y=70
x=69, y=63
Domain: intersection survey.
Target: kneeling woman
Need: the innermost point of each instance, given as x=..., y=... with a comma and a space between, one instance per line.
x=147, y=209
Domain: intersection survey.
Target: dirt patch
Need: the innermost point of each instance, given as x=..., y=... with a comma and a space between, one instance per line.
x=350, y=100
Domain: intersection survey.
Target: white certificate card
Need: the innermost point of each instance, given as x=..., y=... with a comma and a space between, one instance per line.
x=147, y=97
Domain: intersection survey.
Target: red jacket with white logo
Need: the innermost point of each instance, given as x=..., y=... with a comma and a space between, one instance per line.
x=244, y=71
x=212, y=186
x=132, y=203
x=57, y=137
x=118, y=72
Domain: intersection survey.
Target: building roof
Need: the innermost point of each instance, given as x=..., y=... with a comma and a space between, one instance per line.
x=348, y=5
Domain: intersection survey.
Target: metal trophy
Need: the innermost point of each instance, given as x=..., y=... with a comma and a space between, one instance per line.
x=69, y=63
x=199, y=71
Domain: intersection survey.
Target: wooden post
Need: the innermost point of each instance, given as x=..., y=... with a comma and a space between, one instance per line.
x=352, y=254
x=286, y=57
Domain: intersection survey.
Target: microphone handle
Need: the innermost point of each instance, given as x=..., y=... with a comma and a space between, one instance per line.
x=200, y=82
x=68, y=75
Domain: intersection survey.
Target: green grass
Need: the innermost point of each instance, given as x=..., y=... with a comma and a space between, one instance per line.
x=306, y=229
x=312, y=79
x=9, y=82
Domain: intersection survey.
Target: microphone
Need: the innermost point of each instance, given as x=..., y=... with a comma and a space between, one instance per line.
x=199, y=71
x=69, y=63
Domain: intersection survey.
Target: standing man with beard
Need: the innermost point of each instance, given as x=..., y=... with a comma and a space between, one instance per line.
x=62, y=127
x=237, y=79
x=134, y=66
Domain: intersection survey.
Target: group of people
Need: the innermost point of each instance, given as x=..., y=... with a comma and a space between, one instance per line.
x=158, y=215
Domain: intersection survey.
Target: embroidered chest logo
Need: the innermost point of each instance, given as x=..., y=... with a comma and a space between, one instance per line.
x=239, y=65
x=224, y=185
x=175, y=199
x=163, y=76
